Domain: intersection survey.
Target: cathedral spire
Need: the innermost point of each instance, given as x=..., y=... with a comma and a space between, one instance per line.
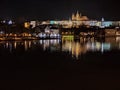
x=73, y=17
x=77, y=16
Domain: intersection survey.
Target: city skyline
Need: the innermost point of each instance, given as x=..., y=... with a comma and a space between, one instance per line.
x=53, y=9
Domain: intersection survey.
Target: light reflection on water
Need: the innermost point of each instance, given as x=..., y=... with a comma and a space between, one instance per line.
x=52, y=44
x=73, y=47
x=76, y=48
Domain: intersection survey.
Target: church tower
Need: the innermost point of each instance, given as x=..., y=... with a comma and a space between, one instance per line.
x=102, y=19
x=78, y=16
x=73, y=17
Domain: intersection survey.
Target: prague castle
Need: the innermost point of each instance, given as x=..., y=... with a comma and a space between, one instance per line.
x=79, y=17
x=77, y=20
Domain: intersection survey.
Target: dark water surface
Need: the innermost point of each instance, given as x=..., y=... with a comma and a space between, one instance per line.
x=65, y=64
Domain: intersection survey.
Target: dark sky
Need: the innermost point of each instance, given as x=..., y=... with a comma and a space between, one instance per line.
x=59, y=9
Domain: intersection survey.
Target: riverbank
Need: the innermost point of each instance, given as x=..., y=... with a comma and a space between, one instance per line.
x=18, y=38
x=24, y=38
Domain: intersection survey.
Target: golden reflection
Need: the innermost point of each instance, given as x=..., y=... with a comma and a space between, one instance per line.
x=78, y=49
x=117, y=39
x=84, y=45
x=12, y=45
x=75, y=48
x=29, y=44
x=7, y=44
x=25, y=45
x=69, y=44
x=15, y=45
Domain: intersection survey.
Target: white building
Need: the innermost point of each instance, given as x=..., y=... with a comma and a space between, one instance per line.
x=33, y=23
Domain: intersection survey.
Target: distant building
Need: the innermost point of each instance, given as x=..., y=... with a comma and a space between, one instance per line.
x=26, y=24
x=78, y=20
x=10, y=22
x=33, y=23
x=79, y=17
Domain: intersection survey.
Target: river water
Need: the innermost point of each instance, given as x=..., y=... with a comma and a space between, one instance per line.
x=59, y=64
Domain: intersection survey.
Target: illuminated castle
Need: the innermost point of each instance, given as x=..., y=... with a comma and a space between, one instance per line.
x=79, y=17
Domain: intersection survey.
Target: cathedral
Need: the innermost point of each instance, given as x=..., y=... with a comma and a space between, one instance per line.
x=79, y=17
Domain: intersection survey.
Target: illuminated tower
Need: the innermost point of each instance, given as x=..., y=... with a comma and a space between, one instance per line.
x=73, y=17
x=102, y=19
x=77, y=16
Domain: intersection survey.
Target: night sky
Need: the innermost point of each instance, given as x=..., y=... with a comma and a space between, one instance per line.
x=59, y=9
